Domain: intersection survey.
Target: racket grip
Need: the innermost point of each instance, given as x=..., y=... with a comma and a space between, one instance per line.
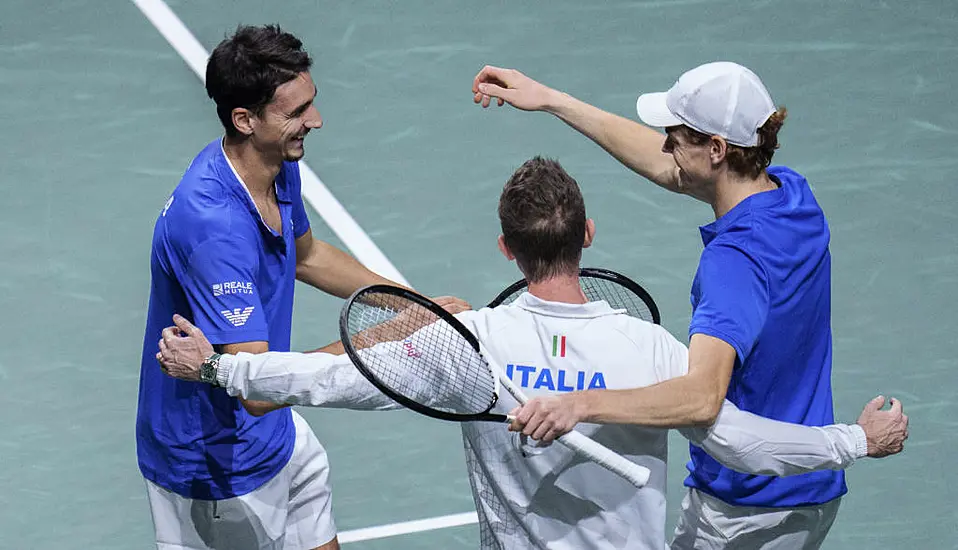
x=603, y=456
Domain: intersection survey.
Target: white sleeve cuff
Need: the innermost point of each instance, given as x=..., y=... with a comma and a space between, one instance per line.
x=224, y=370
x=861, y=441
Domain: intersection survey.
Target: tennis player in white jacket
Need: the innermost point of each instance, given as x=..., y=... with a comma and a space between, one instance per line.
x=551, y=339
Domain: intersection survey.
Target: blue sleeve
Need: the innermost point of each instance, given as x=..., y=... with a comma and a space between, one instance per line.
x=733, y=298
x=220, y=288
x=300, y=219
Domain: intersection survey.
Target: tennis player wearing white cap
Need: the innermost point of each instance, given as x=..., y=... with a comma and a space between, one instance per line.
x=760, y=333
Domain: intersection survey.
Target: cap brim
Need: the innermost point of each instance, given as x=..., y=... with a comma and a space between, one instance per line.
x=654, y=112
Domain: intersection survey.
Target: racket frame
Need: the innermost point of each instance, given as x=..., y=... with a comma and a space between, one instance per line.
x=591, y=273
x=443, y=315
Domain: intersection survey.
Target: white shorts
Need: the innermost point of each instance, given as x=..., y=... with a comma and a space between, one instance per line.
x=707, y=523
x=291, y=511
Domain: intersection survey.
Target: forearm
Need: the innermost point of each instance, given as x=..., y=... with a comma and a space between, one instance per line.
x=335, y=272
x=336, y=348
x=755, y=445
x=314, y=380
x=253, y=407
x=636, y=146
x=675, y=403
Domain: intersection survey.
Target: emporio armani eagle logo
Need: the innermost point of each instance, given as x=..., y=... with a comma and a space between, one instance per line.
x=238, y=317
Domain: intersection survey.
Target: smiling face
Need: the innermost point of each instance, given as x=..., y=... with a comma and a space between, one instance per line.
x=279, y=130
x=697, y=157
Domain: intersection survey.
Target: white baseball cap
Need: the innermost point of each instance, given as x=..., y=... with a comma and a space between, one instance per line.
x=719, y=99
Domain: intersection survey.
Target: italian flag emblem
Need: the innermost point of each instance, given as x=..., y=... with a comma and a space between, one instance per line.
x=558, y=346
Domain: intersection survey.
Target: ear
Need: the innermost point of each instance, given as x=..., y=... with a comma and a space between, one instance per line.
x=243, y=120
x=718, y=148
x=505, y=249
x=589, y=233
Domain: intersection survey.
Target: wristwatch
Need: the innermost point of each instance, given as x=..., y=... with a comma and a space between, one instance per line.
x=208, y=369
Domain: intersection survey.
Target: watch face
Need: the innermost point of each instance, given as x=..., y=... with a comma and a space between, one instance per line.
x=207, y=372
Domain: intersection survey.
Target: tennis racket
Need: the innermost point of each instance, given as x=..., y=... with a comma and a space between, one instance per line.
x=619, y=291
x=422, y=357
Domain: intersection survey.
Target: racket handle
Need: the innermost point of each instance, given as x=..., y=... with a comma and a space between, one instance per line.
x=605, y=457
x=598, y=453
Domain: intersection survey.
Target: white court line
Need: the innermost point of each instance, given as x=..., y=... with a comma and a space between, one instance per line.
x=406, y=527
x=333, y=213
x=315, y=193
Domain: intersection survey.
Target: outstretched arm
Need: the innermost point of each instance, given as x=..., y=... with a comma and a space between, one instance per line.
x=755, y=445
x=693, y=399
x=636, y=146
x=317, y=379
x=738, y=439
x=312, y=380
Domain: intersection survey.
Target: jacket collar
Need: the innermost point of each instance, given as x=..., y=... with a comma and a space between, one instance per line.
x=588, y=310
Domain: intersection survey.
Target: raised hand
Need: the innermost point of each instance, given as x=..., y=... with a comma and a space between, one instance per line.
x=510, y=86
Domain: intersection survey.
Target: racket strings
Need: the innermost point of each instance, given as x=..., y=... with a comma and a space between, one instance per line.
x=415, y=353
x=617, y=296
x=613, y=293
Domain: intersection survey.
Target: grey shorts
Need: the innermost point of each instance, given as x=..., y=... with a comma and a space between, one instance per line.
x=707, y=523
